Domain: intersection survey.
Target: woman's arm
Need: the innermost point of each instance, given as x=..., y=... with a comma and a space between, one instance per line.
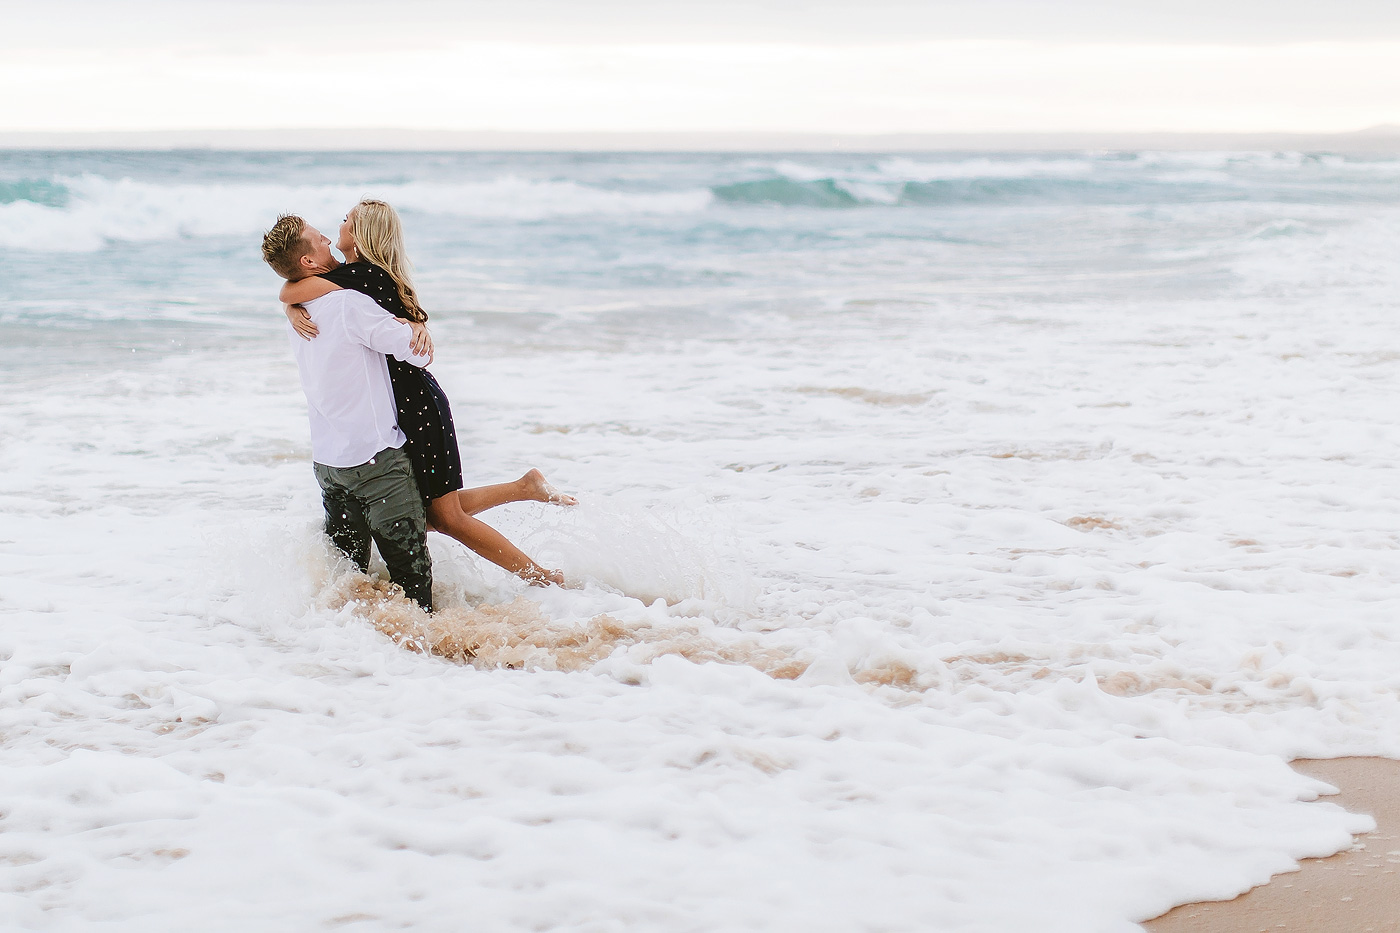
x=301, y=321
x=307, y=289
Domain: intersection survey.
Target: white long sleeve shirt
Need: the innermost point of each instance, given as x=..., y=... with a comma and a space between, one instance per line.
x=346, y=378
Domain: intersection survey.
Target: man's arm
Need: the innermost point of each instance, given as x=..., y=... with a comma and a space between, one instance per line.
x=379, y=330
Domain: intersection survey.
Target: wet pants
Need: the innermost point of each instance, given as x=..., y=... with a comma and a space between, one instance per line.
x=380, y=500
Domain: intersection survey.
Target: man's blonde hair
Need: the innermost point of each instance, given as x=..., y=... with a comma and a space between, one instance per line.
x=379, y=239
x=283, y=246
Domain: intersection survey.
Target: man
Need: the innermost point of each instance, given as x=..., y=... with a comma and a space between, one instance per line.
x=367, y=484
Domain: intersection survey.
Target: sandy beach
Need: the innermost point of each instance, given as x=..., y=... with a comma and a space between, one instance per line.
x=1354, y=891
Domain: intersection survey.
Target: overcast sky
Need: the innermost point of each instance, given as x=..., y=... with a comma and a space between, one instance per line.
x=769, y=65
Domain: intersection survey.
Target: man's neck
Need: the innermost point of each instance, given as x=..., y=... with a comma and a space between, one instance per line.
x=321, y=268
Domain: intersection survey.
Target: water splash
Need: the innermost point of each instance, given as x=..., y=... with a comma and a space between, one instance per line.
x=648, y=550
x=518, y=635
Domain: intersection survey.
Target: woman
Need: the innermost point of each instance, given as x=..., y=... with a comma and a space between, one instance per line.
x=371, y=239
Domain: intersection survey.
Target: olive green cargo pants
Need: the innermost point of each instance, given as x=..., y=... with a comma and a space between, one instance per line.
x=380, y=500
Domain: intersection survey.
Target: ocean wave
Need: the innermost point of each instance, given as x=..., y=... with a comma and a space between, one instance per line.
x=84, y=213
x=1303, y=165
x=910, y=170
x=973, y=190
x=34, y=190
x=894, y=181
x=914, y=181
x=823, y=192
x=1022, y=190
x=1091, y=178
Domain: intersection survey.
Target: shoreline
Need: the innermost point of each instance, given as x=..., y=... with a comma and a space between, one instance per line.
x=1356, y=890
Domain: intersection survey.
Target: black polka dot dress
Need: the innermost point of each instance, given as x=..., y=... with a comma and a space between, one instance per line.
x=424, y=414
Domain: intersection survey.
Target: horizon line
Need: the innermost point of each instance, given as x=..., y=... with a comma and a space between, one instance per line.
x=1383, y=138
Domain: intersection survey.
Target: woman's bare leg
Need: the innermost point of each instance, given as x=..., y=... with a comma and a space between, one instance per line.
x=445, y=515
x=529, y=488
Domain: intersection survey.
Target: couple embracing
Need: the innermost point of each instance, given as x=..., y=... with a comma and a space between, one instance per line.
x=382, y=437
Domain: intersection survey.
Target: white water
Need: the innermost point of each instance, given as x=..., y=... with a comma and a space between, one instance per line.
x=1074, y=556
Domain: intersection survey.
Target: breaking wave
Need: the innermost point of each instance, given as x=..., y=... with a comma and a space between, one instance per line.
x=34, y=190
x=1119, y=178
x=87, y=212
x=824, y=192
x=970, y=190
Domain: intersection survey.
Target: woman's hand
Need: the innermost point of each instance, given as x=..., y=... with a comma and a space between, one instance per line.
x=301, y=321
x=422, y=344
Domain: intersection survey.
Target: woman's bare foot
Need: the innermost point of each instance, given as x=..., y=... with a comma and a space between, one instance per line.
x=538, y=576
x=535, y=487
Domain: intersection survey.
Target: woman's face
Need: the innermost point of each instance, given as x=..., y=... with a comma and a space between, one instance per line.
x=346, y=241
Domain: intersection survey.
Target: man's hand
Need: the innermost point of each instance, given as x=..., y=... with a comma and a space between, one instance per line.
x=301, y=321
x=422, y=344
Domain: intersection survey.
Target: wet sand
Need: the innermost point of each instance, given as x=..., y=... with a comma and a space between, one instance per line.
x=1356, y=891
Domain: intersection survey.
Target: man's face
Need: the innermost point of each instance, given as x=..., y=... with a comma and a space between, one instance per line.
x=318, y=258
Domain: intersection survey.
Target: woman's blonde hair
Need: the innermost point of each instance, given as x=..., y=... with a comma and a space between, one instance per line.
x=379, y=239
